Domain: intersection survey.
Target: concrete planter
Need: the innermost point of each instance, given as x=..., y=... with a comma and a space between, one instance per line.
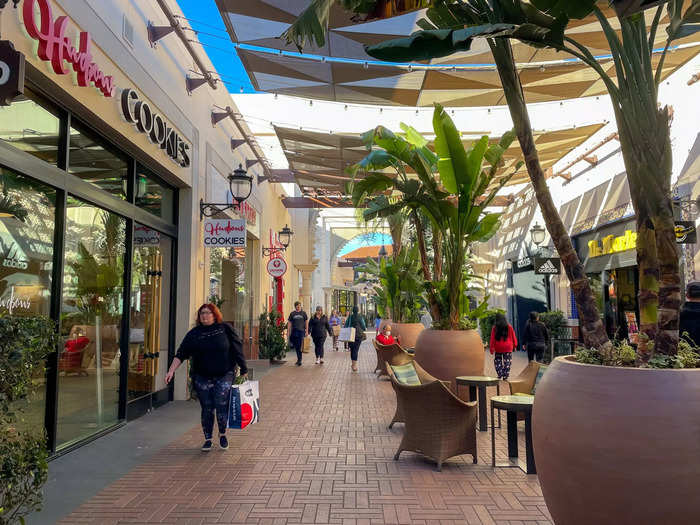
x=447, y=354
x=618, y=445
x=408, y=332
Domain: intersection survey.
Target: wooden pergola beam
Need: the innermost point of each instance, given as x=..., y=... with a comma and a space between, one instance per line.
x=585, y=156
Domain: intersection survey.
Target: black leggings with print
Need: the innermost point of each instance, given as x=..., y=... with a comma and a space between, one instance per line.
x=214, y=393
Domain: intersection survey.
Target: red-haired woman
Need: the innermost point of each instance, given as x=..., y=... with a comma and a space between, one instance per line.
x=215, y=349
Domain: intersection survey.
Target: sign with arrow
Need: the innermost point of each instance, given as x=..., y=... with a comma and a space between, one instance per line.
x=547, y=265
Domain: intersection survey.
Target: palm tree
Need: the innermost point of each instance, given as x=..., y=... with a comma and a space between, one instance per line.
x=485, y=19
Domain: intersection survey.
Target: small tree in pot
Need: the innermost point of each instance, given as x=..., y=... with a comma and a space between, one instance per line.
x=24, y=345
x=271, y=342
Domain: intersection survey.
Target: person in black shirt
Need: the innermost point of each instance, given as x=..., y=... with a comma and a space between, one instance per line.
x=297, y=328
x=318, y=328
x=536, y=338
x=215, y=350
x=690, y=314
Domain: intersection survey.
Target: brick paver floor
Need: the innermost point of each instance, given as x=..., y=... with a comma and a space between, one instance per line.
x=321, y=453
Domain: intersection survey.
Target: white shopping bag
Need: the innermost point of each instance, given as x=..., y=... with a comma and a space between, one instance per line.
x=244, y=408
x=347, y=334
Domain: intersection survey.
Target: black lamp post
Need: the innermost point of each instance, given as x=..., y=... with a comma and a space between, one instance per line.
x=240, y=185
x=284, y=236
x=382, y=252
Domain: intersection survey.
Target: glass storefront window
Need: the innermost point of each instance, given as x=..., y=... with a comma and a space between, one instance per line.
x=94, y=161
x=149, y=312
x=230, y=281
x=27, y=216
x=30, y=125
x=91, y=317
x=153, y=196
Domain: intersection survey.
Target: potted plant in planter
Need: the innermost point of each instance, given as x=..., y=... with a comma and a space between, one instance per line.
x=271, y=342
x=24, y=345
x=469, y=179
x=402, y=289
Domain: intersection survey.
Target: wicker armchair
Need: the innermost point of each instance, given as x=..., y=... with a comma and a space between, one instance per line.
x=423, y=376
x=394, y=354
x=439, y=425
x=525, y=382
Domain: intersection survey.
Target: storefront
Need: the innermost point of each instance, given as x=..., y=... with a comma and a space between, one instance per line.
x=88, y=225
x=610, y=261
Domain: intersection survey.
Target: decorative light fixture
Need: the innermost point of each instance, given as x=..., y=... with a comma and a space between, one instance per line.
x=240, y=185
x=382, y=252
x=537, y=234
x=284, y=236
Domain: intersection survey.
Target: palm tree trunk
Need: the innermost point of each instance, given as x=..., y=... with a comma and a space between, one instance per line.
x=592, y=327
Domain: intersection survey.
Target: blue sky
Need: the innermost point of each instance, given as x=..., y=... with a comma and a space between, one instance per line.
x=371, y=239
x=204, y=16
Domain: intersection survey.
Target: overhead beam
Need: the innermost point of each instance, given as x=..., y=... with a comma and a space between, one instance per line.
x=584, y=156
x=314, y=203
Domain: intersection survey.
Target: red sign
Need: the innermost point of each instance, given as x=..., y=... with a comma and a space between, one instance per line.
x=276, y=267
x=57, y=48
x=244, y=210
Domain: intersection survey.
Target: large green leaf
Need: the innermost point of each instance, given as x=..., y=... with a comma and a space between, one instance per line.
x=372, y=184
x=487, y=227
x=475, y=158
x=428, y=44
x=452, y=159
x=311, y=26
x=413, y=137
x=577, y=9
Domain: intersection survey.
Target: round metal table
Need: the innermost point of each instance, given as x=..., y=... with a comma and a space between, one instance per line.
x=480, y=383
x=513, y=405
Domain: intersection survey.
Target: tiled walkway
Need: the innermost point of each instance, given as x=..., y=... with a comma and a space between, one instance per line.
x=321, y=453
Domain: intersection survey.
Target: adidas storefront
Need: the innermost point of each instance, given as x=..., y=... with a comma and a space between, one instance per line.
x=610, y=261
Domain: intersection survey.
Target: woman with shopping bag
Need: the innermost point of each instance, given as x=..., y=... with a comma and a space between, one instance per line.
x=356, y=321
x=335, y=323
x=215, y=349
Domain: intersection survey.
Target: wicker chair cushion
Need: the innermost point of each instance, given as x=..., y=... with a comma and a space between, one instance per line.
x=406, y=374
x=540, y=373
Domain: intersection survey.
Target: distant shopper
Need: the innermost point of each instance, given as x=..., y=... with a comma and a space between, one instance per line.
x=377, y=322
x=535, y=338
x=427, y=320
x=334, y=321
x=215, y=349
x=318, y=328
x=356, y=321
x=502, y=344
x=297, y=328
x=385, y=338
x=690, y=314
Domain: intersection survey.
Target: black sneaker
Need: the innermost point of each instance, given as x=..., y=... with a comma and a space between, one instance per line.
x=223, y=442
x=207, y=445
x=298, y=363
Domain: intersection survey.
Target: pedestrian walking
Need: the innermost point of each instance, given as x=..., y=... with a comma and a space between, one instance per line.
x=356, y=321
x=501, y=345
x=690, y=314
x=385, y=338
x=297, y=328
x=215, y=349
x=318, y=328
x=377, y=322
x=535, y=338
x=335, y=323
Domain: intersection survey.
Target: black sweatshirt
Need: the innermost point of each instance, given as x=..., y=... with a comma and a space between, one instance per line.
x=318, y=326
x=215, y=350
x=536, y=333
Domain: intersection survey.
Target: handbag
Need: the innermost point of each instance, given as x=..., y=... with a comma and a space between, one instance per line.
x=306, y=346
x=336, y=330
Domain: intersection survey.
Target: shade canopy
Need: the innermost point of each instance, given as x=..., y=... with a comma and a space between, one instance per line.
x=318, y=160
x=261, y=22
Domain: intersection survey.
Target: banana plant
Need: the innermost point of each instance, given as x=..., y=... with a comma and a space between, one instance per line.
x=451, y=26
x=455, y=201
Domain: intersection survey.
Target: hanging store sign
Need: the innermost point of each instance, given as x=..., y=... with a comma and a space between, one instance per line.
x=140, y=114
x=57, y=48
x=686, y=232
x=547, y=265
x=524, y=264
x=243, y=210
x=276, y=267
x=11, y=73
x=224, y=233
x=612, y=244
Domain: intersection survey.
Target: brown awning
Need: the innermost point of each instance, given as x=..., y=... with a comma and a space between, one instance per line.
x=618, y=204
x=591, y=202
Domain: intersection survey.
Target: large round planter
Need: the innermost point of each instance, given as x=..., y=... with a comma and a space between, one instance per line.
x=408, y=332
x=447, y=354
x=618, y=445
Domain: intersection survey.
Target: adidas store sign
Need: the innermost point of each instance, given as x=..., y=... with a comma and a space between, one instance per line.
x=547, y=265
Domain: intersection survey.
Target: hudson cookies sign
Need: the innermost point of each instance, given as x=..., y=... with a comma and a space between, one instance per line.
x=58, y=48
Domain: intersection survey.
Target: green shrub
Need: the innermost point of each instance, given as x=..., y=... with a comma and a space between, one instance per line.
x=24, y=344
x=271, y=342
x=624, y=354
